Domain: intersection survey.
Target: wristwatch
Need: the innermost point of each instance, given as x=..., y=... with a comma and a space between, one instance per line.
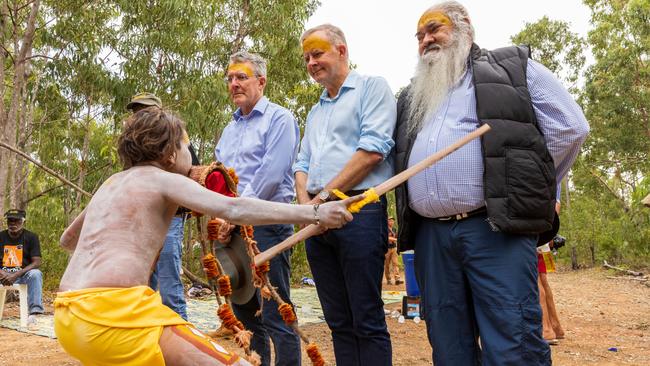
x=323, y=195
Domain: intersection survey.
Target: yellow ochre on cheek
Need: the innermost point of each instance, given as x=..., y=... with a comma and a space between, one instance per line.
x=313, y=42
x=433, y=16
x=240, y=67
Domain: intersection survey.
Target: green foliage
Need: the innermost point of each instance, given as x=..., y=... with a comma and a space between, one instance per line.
x=554, y=45
x=94, y=55
x=601, y=216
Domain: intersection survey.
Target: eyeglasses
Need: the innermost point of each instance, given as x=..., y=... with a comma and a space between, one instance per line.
x=239, y=77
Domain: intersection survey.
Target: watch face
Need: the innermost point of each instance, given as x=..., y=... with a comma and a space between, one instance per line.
x=323, y=195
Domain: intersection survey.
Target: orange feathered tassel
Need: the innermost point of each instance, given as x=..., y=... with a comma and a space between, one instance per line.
x=210, y=265
x=233, y=175
x=287, y=313
x=263, y=268
x=224, y=285
x=228, y=318
x=314, y=355
x=213, y=229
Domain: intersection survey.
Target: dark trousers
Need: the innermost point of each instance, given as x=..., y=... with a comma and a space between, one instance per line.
x=347, y=265
x=286, y=343
x=479, y=283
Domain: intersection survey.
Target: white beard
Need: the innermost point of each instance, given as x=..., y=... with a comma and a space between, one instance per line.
x=436, y=73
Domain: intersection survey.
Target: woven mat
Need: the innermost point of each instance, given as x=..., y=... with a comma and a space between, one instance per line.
x=202, y=313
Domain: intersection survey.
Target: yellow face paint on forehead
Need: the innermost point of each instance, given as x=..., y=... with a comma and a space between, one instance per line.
x=240, y=67
x=433, y=16
x=314, y=42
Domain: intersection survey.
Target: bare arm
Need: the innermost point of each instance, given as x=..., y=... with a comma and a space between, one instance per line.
x=70, y=236
x=301, y=188
x=355, y=170
x=187, y=193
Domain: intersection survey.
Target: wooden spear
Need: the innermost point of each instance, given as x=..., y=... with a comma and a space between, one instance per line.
x=382, y=188
x=48, y=170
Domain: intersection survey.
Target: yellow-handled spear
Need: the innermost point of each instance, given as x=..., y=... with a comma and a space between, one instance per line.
x=380, y=189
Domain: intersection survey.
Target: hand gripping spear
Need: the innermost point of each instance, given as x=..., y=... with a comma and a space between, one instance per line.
x=382, y=188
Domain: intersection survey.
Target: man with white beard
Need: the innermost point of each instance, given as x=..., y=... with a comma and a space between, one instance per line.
x=474, y=218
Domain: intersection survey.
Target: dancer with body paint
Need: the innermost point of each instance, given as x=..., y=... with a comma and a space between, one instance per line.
x=105, y=313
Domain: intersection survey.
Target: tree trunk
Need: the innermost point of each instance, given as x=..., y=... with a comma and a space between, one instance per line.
x=20, y=62
x=84, y=155
x=4, y=155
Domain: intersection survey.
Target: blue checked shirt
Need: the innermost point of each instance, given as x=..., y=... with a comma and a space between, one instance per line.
x=455, y=184
x=261, y=146
x=362, y=116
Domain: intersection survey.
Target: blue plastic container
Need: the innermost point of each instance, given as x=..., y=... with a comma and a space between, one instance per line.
x=409, y=272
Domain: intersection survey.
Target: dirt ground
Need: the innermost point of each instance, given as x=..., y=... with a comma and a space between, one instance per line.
x=598, y=314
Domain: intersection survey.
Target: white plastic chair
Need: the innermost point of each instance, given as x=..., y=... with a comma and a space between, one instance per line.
x=22, y=294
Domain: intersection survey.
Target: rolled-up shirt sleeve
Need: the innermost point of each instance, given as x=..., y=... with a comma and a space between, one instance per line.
x=560, y=118
x=378, y=117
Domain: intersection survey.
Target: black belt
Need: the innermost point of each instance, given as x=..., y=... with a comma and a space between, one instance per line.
x=350, y=193
x=463, y=215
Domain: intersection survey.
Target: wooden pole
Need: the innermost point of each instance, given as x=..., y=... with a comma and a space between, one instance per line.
x=48, y=170
x=382, y=188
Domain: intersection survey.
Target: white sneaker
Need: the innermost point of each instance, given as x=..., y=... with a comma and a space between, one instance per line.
x=32, y=322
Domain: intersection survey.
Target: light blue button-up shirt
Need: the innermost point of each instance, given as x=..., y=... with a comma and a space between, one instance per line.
x=261, y=147
x=362, y=116
x=455, y=184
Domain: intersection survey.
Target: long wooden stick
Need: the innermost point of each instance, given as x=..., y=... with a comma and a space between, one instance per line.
x=50, y=171
x=382, y=188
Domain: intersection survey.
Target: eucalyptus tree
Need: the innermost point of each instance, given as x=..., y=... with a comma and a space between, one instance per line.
x=180, y=51
x=615, y=171
x=553, y=44
x=18, y=23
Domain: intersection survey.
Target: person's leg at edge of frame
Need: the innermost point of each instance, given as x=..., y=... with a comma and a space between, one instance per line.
x=395, y=267
x=502, y=272
x=168, y=269
x=387, y=268
x=362, y=247
x=552, y=311
x=333, y=296
x=246, y=314
x=34, y=281
x=184, y=345
x=286, y=342
x=445, y=300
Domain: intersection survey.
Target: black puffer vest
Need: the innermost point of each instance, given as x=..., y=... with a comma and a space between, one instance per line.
x=519, y=176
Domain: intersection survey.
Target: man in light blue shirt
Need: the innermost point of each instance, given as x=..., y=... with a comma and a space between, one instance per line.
x=346, y=146
x=474, y=218
x=260, y=143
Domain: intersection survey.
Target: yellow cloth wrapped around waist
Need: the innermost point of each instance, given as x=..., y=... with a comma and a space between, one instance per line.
x=113, y=326
x=132, y=307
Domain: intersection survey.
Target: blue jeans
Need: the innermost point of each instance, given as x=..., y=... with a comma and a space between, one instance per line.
x=34, y=281
x=286, y=343
x=479, y=283
x=167, y=274
x=348, y=265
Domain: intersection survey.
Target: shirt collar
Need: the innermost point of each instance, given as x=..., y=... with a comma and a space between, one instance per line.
x=350, y=82
x=260, y=108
